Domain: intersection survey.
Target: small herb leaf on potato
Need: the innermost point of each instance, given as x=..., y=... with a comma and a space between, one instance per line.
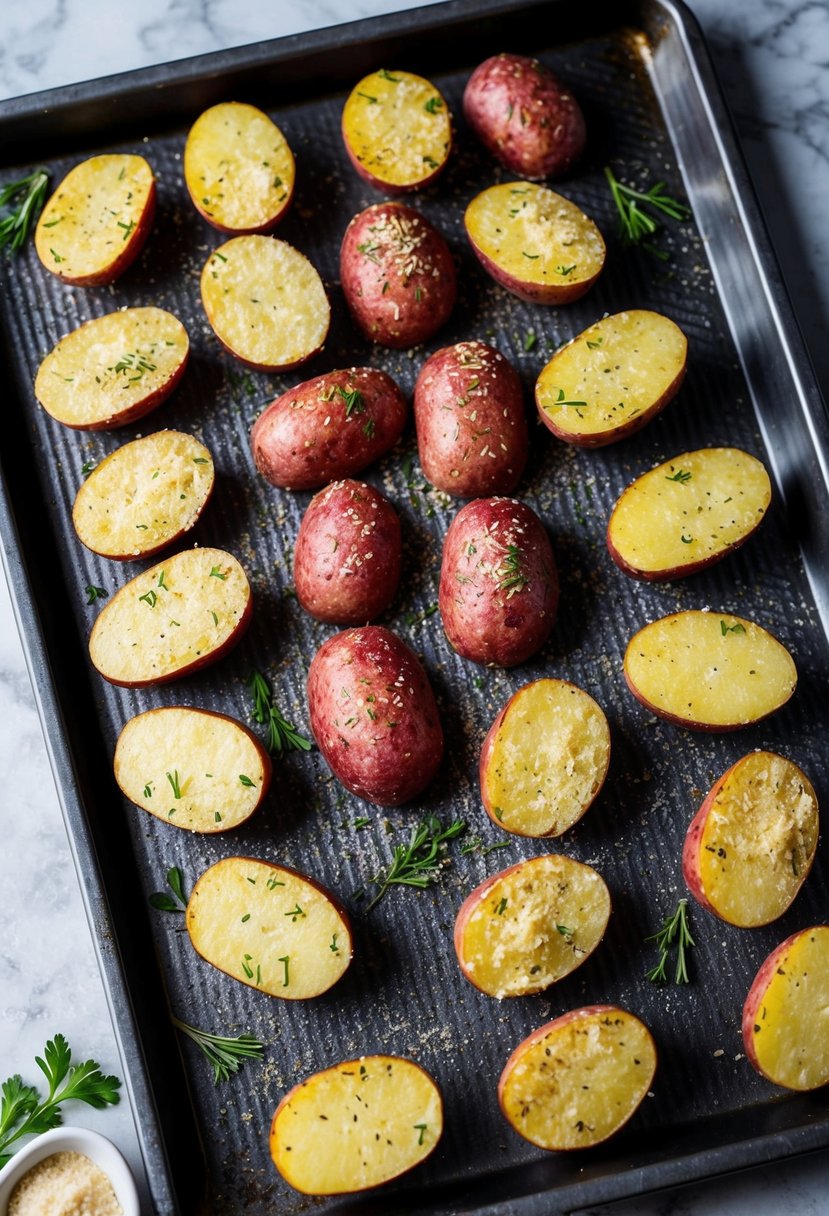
x=397, y=130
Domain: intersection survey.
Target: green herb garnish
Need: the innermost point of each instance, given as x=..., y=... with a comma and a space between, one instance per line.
x=675, y=931
x=95, y=593
x=160, y=900
x=26, y=198
x=282, y=736
x=418, y=863
x=225, y=1055
x=636, y=223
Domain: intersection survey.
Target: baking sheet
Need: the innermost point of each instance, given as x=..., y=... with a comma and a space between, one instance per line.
x=651, y=107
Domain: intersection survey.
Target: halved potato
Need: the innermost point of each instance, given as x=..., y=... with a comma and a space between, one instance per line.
x=397, y=130
x=192, y=768
x=529, y=926
x=356, y=1125
x=265, y=302
x=688, y=513
x=751, y=845
x=709, y=670
x=238, y=168
x=269, y=927
x=534, y=242
x=113, y=369
x=785, y=1012
x=577, y=1080
x=612, y=379
x=144, y=495
x=95, y=224
x=544, y=759
x=173, y=619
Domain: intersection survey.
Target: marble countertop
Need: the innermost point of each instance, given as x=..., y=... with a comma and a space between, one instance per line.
x=771, y=56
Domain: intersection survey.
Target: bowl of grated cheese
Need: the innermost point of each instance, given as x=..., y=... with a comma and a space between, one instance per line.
x=68, y=1171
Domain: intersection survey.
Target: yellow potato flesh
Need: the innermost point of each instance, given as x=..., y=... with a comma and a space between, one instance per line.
x=534, y=925
x=265, y=301
x=579, y=1083
x=611, y=373
x=709, y=669
x=548, y=759
x=269, y=928
x=791, y=1022
x=170, y=617
x=398, y=127
x=535, y=235
x=356, y=1125
x=86, y=224
x=759, y=839
x=689, y=510
x=238, y=167
x=187, y=768
x=110, y=365
x=143, y=495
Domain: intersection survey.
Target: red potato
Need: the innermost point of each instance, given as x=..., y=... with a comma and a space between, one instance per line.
x=397, y=274
x=578, y=1079
x=373, y=715
x=171, y=620
x=95, y=224
x=328, y=428
x=356, y=1125
x=114, y=369
x=709, y=670
x=535, y=243
x=471, y=426
x=751, y=845
x=265, y=303
x=238, y=169
x=397, y=131
x=544, y=759
x=531, y=925
x=348, y=554
x=524, y=116
x=784, y=1015
x=498, y=591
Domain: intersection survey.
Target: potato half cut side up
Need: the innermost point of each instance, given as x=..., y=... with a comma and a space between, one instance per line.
x=751, y=845
x=709, y=670
x=144, y=495
x=269, y=927
x=544, y=759
x=529, y=926
x=172, y=619
x=575, y=1081
x=192, y=768
x=265, y=302
x=785, y=1013
x=356, y=1125
x=113, y=369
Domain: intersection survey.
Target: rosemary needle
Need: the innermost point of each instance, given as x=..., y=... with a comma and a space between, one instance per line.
x=417, y=863
x=26, y=198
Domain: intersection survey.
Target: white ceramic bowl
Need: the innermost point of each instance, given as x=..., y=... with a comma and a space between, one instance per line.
x=72, y=1140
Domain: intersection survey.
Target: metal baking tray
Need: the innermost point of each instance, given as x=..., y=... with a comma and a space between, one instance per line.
x=654, y=111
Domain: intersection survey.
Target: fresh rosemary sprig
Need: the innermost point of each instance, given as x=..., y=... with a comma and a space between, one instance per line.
x=510, y=572
x=418, y=863
x=26, y=197
x=675, y=931
x=635, y=220
x=162, y=902
x=282, y=736
x=225, y=1055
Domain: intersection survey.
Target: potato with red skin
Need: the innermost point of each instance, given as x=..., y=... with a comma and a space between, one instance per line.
x=327, y=428
x=373, y=714
x=470, y=420
x=348, y=554
x=397, y=275
x=524, y=116
x=498, y=591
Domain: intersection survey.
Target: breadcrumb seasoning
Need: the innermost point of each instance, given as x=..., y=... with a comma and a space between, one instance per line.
x=64, y=1184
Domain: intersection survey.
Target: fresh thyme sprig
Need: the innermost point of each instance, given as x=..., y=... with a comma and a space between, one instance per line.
x=635, y=206
x=282, y=736
x=675, y=931
x=162, y=902
x=24, y=1112
x=225, y=1055
x=26, y=198
x=418, y=863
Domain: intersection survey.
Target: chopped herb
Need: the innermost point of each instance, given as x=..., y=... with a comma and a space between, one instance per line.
x=148, y=790
x=565, y=270
x=561, y=400
x=368, y=428
x=418, y=863
x=529, y=340
x=368, y=97
x=353, y=398
x=675, y=931
x=499, y=911
x=476, y=845
x=294, y=913
x=282, y=736
x=333, y=947
x=433, y=105
x=286, y=959
x=417, y=618
x=87, y=467
x=431, y=162
x=384, y=75
x=161, y=582
x=511, y=575
x=683, y=476
x=200, y=460
x=149, y=598
x=686, y=540
x=246, y=918
x=128, y=228
x=565, y=932
x=421, y=1127
x=225, y=1055
x=56, y=256
x=737, y=628
x=95, y=593
x=532, y=256
x=596, y=342
x=161, y=901
x=26, y=197
x=216, y=573
x=246, y=781
x=174, y=783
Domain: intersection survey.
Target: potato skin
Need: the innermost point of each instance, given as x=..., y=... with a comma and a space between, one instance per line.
x=524, y=116
x=348, y=554
x=374, y=716
x=397, y=275
x=311, y=435
x=498, y=582
x=471, y=426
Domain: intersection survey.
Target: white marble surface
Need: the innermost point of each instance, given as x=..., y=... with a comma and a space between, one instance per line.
x=772, y=59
